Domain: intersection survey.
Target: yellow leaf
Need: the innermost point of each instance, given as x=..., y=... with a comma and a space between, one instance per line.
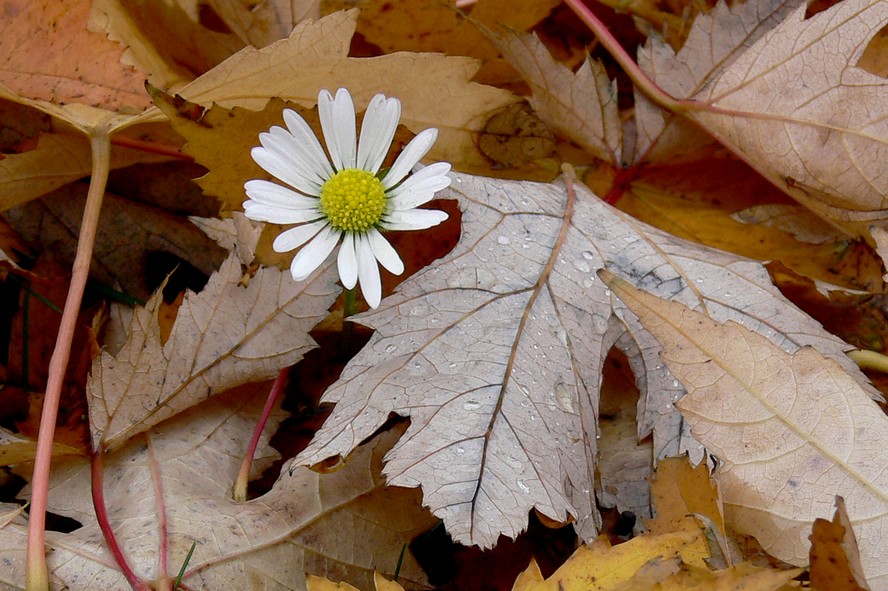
x=323, y=584
x=435, y=90
x=742, y=577
x=383, y=584
x=680, y=489
x=602, y=567
x=835, y=558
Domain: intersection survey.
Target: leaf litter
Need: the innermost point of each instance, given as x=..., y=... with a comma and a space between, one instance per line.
x=494, y=352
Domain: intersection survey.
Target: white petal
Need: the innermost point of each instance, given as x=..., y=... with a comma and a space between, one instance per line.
x=294, y=237
x=347, y=261
x=420, y=187
x=281, y=166
x=377, y=132
x=407, y=159
x=311, y=147
x=302, y=160
x=414, y=219
x=368, y=271
x=338, y=124
x=274, y=195
x=266, y=213
x=384, y=253
x=314, y=253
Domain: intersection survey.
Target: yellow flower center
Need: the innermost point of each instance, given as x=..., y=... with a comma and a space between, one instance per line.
x=353, y=200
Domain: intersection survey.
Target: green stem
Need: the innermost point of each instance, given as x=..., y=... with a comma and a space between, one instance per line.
x=350, y=303
x=348, y=309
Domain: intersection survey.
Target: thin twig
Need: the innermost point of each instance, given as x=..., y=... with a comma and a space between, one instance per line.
x=870, y=360
x=37, y=576
x=101, y=509
x=163, y=541
x=240, y=485
x=610, y=43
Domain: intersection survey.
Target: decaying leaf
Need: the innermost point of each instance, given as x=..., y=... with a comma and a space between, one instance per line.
x=340, y=523
x=228, y=334
x=715, y=41
x=238, y=234
x=835, y=557
x=380, y=583
x=794, y=219
x=679, y=490
x=127, y=233
x=495, y=353
x=581, y=107
x=57, y=160
x=145, y=29
x=15, y=449
x=602, y=567
x=435, y=90
x=798, y=109
x=37, y=42
x=791, y=430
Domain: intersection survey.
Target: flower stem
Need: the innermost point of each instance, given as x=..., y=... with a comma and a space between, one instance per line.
x=610, y=43
x=37, y=577
x=243, y=477
x=350, y=303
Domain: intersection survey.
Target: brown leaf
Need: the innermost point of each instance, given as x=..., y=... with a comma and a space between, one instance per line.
x=790, y=430
x=835, y=558
x=56, y=160
x=495, y=354
x=47, y=53
x=581, y=107
x=796, y=107
x=679, y=490
x=346, y=524
x=128, y=232
x=715, y=41
x=162, y=40
x=226, y=335
x=435, y=90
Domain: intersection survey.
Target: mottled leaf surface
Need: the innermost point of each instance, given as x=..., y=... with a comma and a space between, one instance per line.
x=791, y=431
x=495, y=354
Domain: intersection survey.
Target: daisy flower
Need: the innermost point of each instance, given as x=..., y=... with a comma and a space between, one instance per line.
x=343, y=200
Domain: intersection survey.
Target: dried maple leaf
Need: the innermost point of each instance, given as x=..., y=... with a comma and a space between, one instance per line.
x=341, y=523
x=791, y=430
x=37, y=42
x=495, y=353
x=162, y=40
x=714, y=42
x=797, y=108
x=581, y=106
x=129, y=230
x=435, y=90
x=226, y=335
